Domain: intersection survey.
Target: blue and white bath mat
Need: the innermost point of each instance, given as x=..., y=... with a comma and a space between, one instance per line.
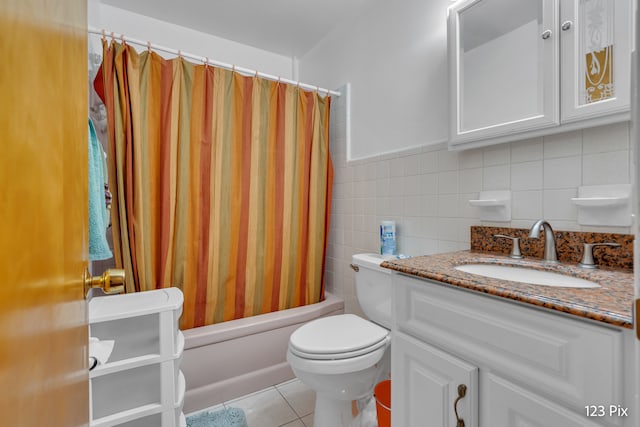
x=229, y=417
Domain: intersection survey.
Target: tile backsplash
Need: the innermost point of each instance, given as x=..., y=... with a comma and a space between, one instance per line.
x=426, y=191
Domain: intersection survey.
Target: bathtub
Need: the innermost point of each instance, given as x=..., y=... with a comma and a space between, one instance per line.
x=234, y=358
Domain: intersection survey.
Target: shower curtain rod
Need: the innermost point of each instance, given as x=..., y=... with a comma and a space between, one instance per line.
x=205, y=60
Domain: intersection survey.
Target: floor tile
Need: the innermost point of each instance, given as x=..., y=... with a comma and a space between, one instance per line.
x=301, y=398
x=265, y=408
x=296, y=423
x=308, y=420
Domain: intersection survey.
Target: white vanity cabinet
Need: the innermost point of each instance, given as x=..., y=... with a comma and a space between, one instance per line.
x=426, y=384
x=521, y=365
x=525, y=68
x=141, y=384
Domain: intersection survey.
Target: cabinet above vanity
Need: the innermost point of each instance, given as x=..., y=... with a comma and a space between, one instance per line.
x=526, y=68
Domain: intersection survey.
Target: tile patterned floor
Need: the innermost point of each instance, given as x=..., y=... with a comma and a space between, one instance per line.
x=289, y=404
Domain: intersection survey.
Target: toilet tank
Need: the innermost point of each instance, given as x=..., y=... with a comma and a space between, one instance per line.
x=373, y=287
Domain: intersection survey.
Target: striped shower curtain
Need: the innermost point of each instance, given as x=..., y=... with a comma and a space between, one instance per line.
x=221, y=184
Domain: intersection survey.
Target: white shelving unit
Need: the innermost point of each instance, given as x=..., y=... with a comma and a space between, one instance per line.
x=141, y=384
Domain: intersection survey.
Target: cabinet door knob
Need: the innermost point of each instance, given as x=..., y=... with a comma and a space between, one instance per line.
x=462, y=392
x=566, y=25
x=546, y=34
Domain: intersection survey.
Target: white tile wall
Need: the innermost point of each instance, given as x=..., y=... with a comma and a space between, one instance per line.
x=606, y=168
x=426, y=192
x=562, y=172
x=496, y=177
x=526, y=176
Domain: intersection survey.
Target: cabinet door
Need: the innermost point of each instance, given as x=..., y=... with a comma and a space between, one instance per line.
x=504, y=61
x=507, y=405
x=425, y=383
x=595, y=53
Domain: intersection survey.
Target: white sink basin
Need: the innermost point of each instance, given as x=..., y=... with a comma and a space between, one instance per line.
x=527, y=275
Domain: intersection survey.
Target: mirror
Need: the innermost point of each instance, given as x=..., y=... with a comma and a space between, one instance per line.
x=501, y=67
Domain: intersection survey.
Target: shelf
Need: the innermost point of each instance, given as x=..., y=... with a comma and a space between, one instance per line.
x=123, y=365
x=487, y=202
x=598, y=201
x=604, y=205
x=141, y=384
x=124, y=416
x=493, y=205
x=112, y=307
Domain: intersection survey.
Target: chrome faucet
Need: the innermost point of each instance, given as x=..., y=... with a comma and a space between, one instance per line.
x=550, y=254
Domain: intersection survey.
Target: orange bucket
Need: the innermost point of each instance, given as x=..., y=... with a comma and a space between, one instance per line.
x=382, y=393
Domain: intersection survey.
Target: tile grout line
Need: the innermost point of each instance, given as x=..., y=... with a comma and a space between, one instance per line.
x=290, y=406
x=229, y=404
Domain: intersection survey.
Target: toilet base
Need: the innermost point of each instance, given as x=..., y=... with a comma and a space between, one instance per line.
x=333, y=412
x=335, y=393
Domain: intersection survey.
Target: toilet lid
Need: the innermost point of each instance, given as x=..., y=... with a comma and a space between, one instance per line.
x=335, y=337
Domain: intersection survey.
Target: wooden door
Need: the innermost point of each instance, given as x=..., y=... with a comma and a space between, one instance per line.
x=43, y=213
x=635, y=180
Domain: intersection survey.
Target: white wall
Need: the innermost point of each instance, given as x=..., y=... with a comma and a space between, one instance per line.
x=173, y=36
x=395, y=57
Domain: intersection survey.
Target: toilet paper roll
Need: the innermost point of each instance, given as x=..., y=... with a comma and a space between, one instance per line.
x=100, y=349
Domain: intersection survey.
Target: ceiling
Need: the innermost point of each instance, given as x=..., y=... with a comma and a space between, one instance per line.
x=285, y=27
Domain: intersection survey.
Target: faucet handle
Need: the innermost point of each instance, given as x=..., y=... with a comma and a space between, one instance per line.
x=587, y=260
x=515, y=247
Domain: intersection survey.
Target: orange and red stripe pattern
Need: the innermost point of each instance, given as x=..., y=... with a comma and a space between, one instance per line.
x=221, y=182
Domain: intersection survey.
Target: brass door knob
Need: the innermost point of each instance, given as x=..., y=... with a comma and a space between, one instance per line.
x=112, y=281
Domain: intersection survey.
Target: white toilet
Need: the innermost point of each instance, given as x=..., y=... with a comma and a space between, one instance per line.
x=342, y=357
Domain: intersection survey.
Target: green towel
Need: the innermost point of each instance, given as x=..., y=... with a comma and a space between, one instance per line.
x=98, y=219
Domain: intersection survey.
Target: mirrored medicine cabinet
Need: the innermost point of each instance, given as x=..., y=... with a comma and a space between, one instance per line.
x=524, y=68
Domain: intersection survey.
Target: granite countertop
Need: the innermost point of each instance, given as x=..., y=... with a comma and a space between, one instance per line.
x=612, y=303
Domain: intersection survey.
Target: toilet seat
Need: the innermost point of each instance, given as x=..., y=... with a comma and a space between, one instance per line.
x=335, y=367
x=337, y=337
x=339, y=356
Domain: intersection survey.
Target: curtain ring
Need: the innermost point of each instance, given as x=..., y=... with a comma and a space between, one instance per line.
x=206, y=61
x=233, y=68
x=104, y=38
x=122, y=39
x=179, y=54
x=113, y=37
x=149, y=46
x=256, y=76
